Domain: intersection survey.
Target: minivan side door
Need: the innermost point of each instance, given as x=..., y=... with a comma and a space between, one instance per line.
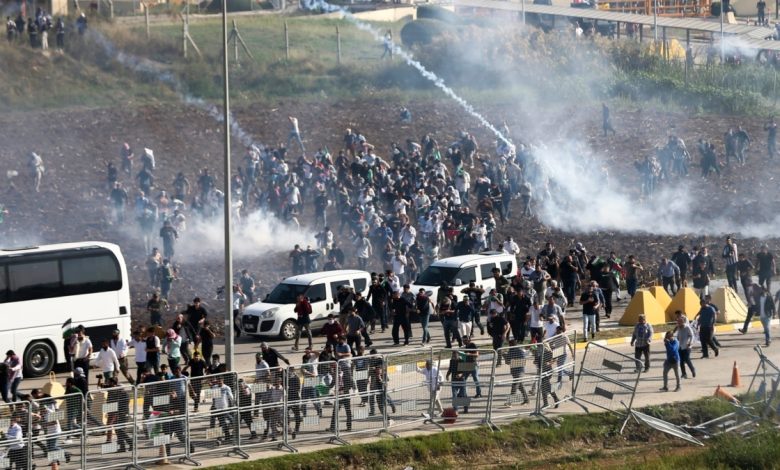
x=334, y=293
x=318, y=298
x=486, y=272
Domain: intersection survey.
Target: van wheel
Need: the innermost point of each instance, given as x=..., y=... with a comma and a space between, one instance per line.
x=38, y=359
x=288, y=330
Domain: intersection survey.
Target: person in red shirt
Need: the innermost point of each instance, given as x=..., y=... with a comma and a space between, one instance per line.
x=332, y=330
x=303, y=309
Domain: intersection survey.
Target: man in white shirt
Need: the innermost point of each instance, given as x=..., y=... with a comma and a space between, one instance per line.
x=399, y=266
x=139, y=344
x=120, y=347
x=106, y=361
x=511, y=247
x=433, y=380
x=222, y=399
x=81, y=350
x=295, y=133
x=14, y=437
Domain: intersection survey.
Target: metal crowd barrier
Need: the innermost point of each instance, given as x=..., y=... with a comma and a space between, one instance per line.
x=262, y=397
x=182, y=418
x=467, y=382
x=214, y=428
x=607, y=380
x=361, y=395
x=314, y=403
x=405, y=392
x=515, y=382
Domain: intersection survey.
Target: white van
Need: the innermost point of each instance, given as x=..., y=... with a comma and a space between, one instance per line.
x=460, y=270
x=274, y=316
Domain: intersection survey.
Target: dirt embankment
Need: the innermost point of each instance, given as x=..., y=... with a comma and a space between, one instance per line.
x=76, y=145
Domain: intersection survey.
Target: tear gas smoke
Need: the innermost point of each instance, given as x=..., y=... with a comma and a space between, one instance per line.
x=407, y=57
x=253, y=236
x=258, y=232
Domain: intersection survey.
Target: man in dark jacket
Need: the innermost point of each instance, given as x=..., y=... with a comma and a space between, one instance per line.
x=683, y=261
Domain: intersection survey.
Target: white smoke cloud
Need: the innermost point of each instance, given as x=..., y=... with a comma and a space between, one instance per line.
x=257, y=233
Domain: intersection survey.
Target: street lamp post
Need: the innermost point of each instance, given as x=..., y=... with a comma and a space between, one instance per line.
x=722, y=50
x=655, y=20
x=228, y=249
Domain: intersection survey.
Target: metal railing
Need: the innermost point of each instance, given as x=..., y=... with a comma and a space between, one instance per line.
x=183, y=418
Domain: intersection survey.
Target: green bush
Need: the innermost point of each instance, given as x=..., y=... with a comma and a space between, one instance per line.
x=423, y=32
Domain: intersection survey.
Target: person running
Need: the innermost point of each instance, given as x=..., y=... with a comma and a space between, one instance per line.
x=672, y=361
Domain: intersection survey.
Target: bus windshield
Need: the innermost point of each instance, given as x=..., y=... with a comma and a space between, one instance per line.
x=286, y=293
x=435, y=275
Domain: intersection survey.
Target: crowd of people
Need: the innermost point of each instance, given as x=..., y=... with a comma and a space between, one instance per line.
x=37, y=29
x=674, y=159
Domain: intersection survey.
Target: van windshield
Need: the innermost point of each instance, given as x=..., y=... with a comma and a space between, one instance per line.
x=435, y=275
x=286, y=293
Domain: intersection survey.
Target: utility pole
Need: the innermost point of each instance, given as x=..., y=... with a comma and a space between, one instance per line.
x=228, y=249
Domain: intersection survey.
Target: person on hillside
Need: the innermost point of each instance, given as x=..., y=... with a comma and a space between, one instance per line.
x=668, y=271
x=683, y=261
x=730, y=255
x=641, y=339
x=606, y=120
x=672, y=361
x=765, y=265
x=387, y=42
x=295, y=133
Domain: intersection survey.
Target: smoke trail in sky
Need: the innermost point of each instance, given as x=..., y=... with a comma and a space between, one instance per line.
x=410, y=60
x=148, y=67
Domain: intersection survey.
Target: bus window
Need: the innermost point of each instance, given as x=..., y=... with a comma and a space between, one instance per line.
x=90, y=274
x=35, y=280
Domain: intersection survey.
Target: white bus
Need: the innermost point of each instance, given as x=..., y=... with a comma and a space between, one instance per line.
x=45, y=290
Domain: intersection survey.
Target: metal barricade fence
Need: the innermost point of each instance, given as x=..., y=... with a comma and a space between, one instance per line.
x=111, y=415
x=563, y=364
x=406, y=393
x=162, y=431
x=316, y=385
x=213, y=414
x=607, y=380
x=360, y=396
x=515, y=382
x=15, y=418
x=57, y=433
x=469, y=373
x=262, y=408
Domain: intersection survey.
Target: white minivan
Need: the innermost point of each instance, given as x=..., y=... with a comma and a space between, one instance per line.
x=460, y=270
x=274, y=316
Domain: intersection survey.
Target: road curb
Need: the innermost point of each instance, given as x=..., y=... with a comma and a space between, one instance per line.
x=659, y=336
